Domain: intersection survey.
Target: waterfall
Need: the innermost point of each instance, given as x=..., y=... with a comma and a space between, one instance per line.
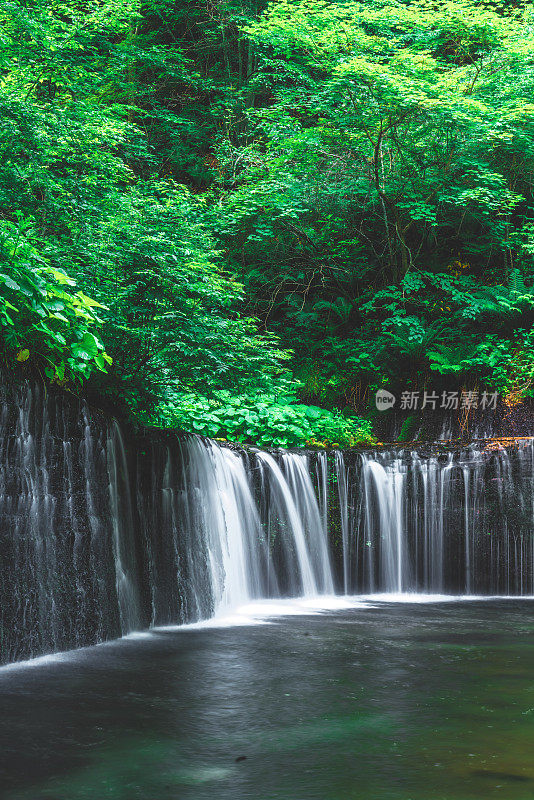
x=122, y=523
x=104, y=530
x=462, y=523
x=237, y=551
x=342, y=498
x=296, y=506
x=57, y=571
x=388, y=484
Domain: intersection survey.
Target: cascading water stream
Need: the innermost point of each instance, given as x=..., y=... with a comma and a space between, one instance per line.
x=297, y=473
x=236, y=545
x=387, y=483
x=342, y=496
x=103, y=531
x=285, y=503
x=122, y=525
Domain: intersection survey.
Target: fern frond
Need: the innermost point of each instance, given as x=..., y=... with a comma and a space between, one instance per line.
x=516, y=282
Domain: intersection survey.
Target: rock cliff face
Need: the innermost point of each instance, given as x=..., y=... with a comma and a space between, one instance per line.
x=468, y=424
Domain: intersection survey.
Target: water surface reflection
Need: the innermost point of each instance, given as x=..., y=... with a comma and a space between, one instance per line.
x=385, y=701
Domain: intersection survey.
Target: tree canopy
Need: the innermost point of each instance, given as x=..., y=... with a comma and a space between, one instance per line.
x=244, y=218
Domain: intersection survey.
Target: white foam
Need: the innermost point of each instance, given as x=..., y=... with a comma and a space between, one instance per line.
x=409, y=597
x=262, y=612
x=69, y=656
x=38, y=661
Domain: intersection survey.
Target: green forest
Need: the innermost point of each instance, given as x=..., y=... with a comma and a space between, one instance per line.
x=242, y=218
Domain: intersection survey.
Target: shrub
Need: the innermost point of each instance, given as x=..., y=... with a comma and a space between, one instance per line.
x=265, y=421
x=44, y=321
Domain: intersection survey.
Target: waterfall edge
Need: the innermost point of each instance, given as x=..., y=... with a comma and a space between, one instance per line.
x=105, y=531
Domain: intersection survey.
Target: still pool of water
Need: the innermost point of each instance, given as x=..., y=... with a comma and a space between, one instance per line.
x=379, y=701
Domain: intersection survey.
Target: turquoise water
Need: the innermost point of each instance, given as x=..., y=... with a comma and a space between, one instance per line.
x=386, y=701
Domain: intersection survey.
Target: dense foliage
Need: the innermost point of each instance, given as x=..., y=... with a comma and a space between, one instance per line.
x=42, y=315
x=216, y=215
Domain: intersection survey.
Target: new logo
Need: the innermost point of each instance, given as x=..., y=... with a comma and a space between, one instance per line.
x=384, y=400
